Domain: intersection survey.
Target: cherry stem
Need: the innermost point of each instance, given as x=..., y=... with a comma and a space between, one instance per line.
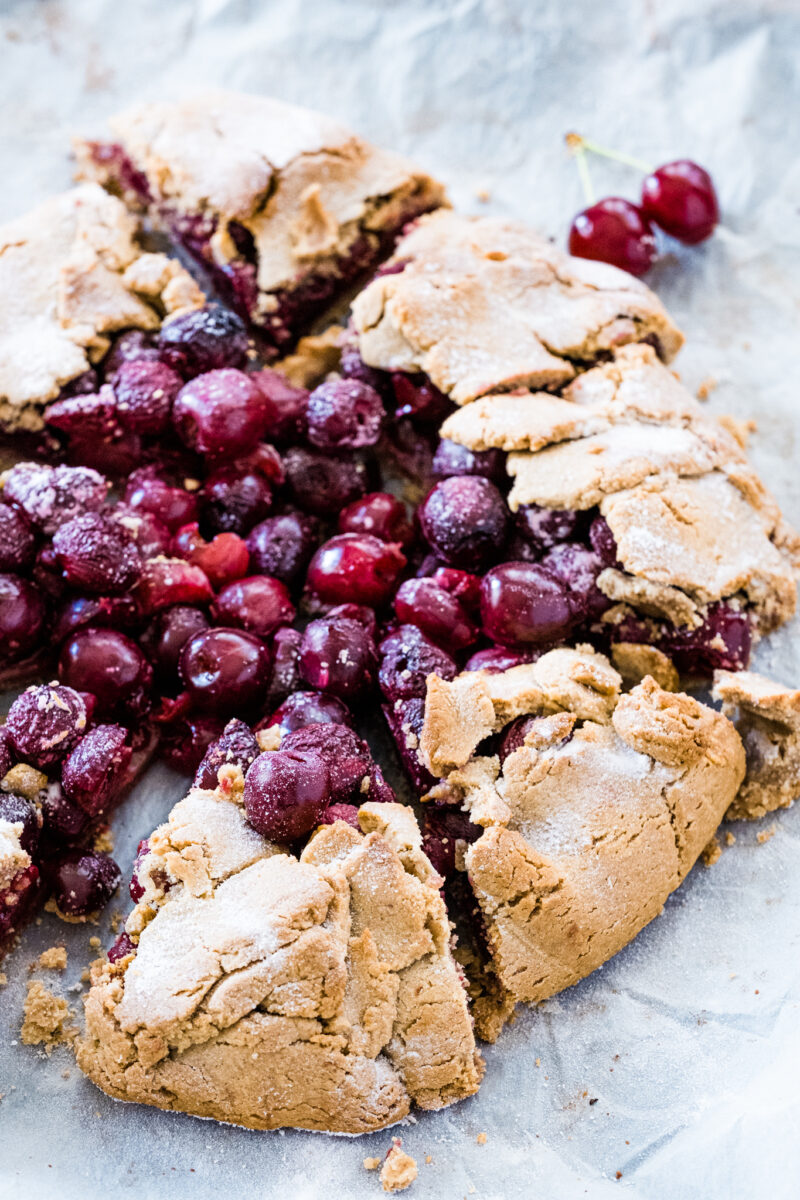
x=577, y=144
x=579, y=154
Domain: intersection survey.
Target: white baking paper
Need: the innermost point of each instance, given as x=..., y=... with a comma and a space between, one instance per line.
x=689, y=1040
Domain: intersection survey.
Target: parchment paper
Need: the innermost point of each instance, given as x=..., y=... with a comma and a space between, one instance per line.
x=689, y=1040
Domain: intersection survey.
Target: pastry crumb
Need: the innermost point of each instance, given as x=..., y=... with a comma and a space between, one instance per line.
x=481, y=1139
x=104, y=841
x=730, y=838
x=712, y=853
x=399, y=1169
x=95, y=942
x=116, y=922
x=53, y=959
x=764, y=835
x=43, y=1018
x=707, y=386
x=483, y=194
x=3, y=979
x=428, y=1159
x=371, y=1164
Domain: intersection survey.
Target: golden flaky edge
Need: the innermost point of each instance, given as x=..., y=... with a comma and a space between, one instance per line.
x=588, y=826
x=271, y=991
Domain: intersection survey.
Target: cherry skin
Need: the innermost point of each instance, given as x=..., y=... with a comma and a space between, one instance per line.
x=524, y=603
x=355, y=567
x=680, y=198
x=286, y=793
x=225, y=670
x=614, y=231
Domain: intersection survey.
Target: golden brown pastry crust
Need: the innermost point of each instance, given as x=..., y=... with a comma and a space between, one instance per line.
x=593, y=822
x=268, y=990
x=485, y=305
x=767, y=717
x=71, y=274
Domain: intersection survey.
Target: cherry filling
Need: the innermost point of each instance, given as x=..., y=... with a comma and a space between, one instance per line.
x=292, y=308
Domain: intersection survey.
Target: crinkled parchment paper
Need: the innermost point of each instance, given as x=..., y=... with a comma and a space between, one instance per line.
x=676, y=1066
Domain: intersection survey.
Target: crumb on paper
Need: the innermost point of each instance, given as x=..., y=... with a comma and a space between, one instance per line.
x=483, y=194
x=707, y=386
x=712, y=853
x=481, y=1139
x=53, y=959
x=44, y=1016
x=3, y=979
x=95, y=942
x=399, y=1169
x=117, y=920
x=538, y=1062
x=371, y=1164
x=764, y=835
x=104, y=841
x=428, y=1159
x=730, y=838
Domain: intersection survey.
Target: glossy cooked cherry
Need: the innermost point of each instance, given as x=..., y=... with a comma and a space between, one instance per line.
x=173, y=506
x=344, y=414
x=144, y=392
x=221, y=560
x=378, y=513
x=22, y=617
x=49, y=496
x=92, y=770
x=168, y=581
x=282, y=546
x=341, y=812
x=111, y=667
x=523, y=603
x=578, y=567
x=307, y=708
x=614, y=231
x=185, y=741
x=357, y=568
x=321, y=483
x=464, y=520
x=287, y=406
x=285, y=666
x=97, y=555
x=451, y=458
x=169, y=632
x=346, y=755
x=45, y=723
x=234, y=499
x=337, y=655
x=498, y=658
x=407, y=659
x=236, y=747
x=437, y=612
x=416, y=397
x=286, y=793
x=83, y=881
x=221, y=413
x=17, y=540
x=680, y=198
x=149, y=533
x=225, y=670
x=206, y=339
x=257, y=603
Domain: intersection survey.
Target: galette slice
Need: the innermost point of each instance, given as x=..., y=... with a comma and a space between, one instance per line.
x=265, y=988
x=283, y=206
x=72, y=275
x=581, y=809
x=479, y=305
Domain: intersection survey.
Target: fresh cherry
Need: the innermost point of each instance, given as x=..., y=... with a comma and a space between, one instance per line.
x=614, y=231
x=680, y=198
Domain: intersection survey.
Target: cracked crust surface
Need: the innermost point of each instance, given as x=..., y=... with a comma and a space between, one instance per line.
x=302, y=185
x=71, y=274
x=591, y=823
x=272, y=991
x=767, y=717
x=485, y=305
x=692, y=521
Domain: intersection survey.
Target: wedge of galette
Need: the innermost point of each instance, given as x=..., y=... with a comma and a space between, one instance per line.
x=268, y=987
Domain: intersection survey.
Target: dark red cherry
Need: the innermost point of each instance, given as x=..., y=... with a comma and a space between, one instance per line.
x=221, y=560
x=407, y=659
x=235, y=498
x=337, y=655
x=438, y=613
x=90, y=774
x=287, y=406
x=206, y=339
x=282, y=546
x=111, y=667
x=173, y=506
x=258, y=604
x=49, y=496
x=378, y=513
x=45, y=723
x=307, y=708
x=225, y=670
x=453, y=459
x=285, y=666
x=83, y=881
x=346, y=755
x=286, y=793
x=523, y=603
x=603, y=542
x=321, y=483
x=17, y=540
x=416, y=397
x=578, y=567
x=546, y=527
x=122, y=947
x=167, y=581
x=144, y=392
x=355, y=568
x=184, y=742
x=221, y=413
x=498, y=658
x=237, y=747
x=464, y=520
x=97, y=555
x=344, y=414
x=22, y=617
x=680, y=198
x=169, y=632
x=614, y=231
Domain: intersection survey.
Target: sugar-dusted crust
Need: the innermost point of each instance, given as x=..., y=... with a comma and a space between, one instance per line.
x=13, y=858
x=485, y=305
x=767, y=716
x=272, y=991
x=301, y=184
x=71, y=273
x=593, y=822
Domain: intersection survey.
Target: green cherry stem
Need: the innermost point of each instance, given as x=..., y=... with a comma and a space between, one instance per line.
x=578, y=151
x=577, y=143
